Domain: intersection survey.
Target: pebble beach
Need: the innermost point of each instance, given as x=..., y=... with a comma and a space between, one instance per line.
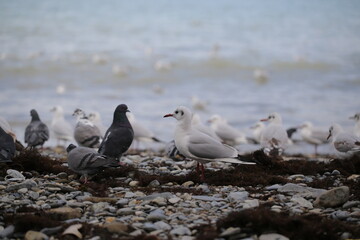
x=155, y=197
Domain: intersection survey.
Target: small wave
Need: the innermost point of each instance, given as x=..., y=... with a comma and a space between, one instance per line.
x=302, y=65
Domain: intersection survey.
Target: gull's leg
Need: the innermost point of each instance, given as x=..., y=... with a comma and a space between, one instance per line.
x=202, y=172
x=198, y=168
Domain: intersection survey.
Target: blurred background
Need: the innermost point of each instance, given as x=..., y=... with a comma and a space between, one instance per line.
x=242, y=59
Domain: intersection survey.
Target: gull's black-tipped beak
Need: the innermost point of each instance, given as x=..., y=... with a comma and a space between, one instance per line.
x=353, y=117
x=264, y=120
x=168, y=115
x=328, y=136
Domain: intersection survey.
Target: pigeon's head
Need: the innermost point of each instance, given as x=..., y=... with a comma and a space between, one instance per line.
x=70, y=147
x=180, y=113
x=122, y=108
x=334, y=130
x=120, y=113
x=273, y=118
x=356, y=117
x=34, y=115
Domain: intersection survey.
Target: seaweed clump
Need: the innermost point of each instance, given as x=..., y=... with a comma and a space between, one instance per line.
x=263, y=220
x=32, y=160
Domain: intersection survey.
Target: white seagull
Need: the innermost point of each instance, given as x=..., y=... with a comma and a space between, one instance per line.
x=257, y=130
x=95, y=118
x=141, y=133
x=226, y=132
x=198, y=146
x=274, y=136
x=343, y=141
x=61, y=128
x=198, y=104
x=197, y=124
x=311, y=135
x=356, y=117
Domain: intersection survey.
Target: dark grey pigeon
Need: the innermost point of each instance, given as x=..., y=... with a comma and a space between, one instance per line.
x=87, y=161
x=119, y=136
x=86, y=133
x=7, y=146
x=36, y=133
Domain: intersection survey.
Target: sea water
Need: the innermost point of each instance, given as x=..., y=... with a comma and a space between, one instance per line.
x=246, y=59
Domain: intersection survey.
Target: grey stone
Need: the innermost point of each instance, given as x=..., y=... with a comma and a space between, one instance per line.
x=165, y=195
x=125, y=211
x=333, y=197
x=238, y=196
x=272, y=236
x=33, y=235
x=180, y=231
x=62, y=175
x=9, y=230
x=154, y=183
x=207, y=198
x=351, y=204
x=250, y=203
x=303, y=191
x=129, y=195
x=302, y=202
x=14, y=174
x=336, y=172
x=160, y=201
x=156, y=215
x=230, y=231
x=148, y=226
x=122, y=202
x=273, y=187
x=25, y=184
x=341, y=215
x=99, y=207
x=162, y=225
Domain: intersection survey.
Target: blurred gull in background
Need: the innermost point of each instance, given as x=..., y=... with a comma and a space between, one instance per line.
x=226, y=132
x=274, y=137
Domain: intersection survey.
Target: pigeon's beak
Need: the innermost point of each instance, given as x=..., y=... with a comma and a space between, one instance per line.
x=168, y=115
x=328, y=136
x=264, y=120
x=127, y=110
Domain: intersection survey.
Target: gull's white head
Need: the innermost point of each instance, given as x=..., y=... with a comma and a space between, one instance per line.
x=258, y=125
x=273, y=118
x=214, y=119
x=130, y=116
x=334, y=130
x=306, y=125
x=196, y=119
x=181, y=113
x=58, y=111
x=356, y=117
x=94, y=116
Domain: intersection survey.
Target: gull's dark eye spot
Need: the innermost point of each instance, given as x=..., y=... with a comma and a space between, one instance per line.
x=182, y=113
x=176, y=112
